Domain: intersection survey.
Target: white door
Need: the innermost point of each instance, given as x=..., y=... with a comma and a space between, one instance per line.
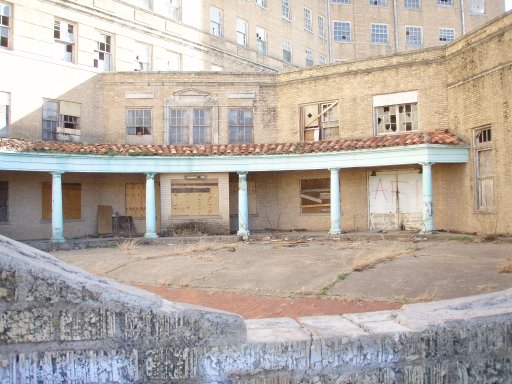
x=395, y=200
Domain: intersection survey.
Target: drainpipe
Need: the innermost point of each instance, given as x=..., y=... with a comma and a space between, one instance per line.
x=462, y=17
x=329, y=41
x=395, y=21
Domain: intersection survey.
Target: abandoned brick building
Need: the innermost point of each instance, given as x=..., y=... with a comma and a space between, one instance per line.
x=416, y=140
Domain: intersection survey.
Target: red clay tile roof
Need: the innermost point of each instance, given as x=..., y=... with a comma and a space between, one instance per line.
x=338, y=145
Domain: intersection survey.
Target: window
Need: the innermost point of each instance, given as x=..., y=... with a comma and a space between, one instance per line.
x=5, y=103
x=378, y=3
x=308, y=20
x=287, y=51
x=241, y=32
x=445, y=2
x=412, y=4
x=216, y=68
x=190, y=126
x=342, y=31
x=103, y=52
x=135, y=200
x=484, y=169
x=5, y=25
x=4, y=201
x=143, y=3
x=396, y=118
x=309, y=58
x=341, y=1
x=262, y=3
x=194, y=197
x=322, y=60
x=321, y=27
x=71, y=201
x=175, y=9
x=379, y=33
x=261, y=40
x=64, y=35
x=61, y=120
x=240, y=126
x=446, y=34
x=138, y=122
x=315, y=195
x=215, y=21
x=142, y=56
x=320, y=121
x=172, y=61
x=477, y=7
x=285, y=9
x=413, y=36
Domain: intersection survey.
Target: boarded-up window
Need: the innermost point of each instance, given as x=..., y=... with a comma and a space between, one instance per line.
x=251, y=195
x=194, y=197
x=4, y=201
x=484, y=169
x=320, y=121
x=135, y=200
x=315, y=195
x=71, y=201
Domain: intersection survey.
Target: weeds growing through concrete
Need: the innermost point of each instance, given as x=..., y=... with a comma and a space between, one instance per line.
x=325, y=290
x=360, y=262
x=506, y=267
x=461, y=238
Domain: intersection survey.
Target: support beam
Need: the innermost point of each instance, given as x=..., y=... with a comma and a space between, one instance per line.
x=335, y=202
x=428, y=210
x=57, y=211
x=150, y=207
x=243, y=206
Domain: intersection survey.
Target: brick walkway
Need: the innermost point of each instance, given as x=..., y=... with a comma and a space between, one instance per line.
x=257, y=307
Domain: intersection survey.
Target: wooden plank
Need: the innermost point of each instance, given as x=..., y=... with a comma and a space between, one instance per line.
x=331, y=106
x=311, y=198
x=195, y=204
x=104, y=221
x=315, y=205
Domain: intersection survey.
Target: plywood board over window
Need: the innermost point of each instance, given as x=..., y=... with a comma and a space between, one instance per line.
x=71, y=201
x=194, y=197
x=135, y=200
x=315, y=195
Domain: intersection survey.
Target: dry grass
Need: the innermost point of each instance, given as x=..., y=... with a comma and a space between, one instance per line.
x=506, y=267
x=128, y=246
x=485, y=288
x=202, y=246
x=430, y=295
x=362, y=262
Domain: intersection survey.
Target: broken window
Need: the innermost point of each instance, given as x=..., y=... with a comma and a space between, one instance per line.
x=285, y=9
x=445, y=2
x=320, y=121
x=477, y=7
x=308, y=20
x=5, y=24
x=287, y=51
x=194, y=197
x=315, y=195
x=64, y=35
x=484, y=169
x=71, y=201
x=321, y=27
x=5, y=103
x=413, y=36
x=412, y=4
x=241, y=32
x=215, y=21
x=309, y=58
x=378, y=3
x=396, y=118
x=61, y=120
x=4, y=201
x=261, y=40
x=446, y=35
x=342, y=31
x=174, y=9
x=142, y=57
x=138, y=122
x=379, y=33
x=135, y=199
x=240, y=126
x=103, y=52
x=262, y=3
x=190, y=126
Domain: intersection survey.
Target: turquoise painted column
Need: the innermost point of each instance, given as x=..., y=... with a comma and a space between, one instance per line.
x=335, y=202
x=57, y=211
x=243, y=206
x=150, y=207
x=428, y=210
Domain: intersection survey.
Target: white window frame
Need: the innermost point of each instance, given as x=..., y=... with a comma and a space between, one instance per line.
x=477, y=7
x=59, y=120
x=446, y=35
x=242, y=29
x=411, y=37
x=142, y=59
x=445, y=3
x=196, y=125
x=103, y=58
x=6, y=21
x=216, y=21
x=310, y=61
x=322, y=59
x=5, y=117
x=321, y=26
x=341, y=1
x=412, y=4
x=261, y=3
x=344, y=35
x=173, y=61
x=261, y=40
x=238, y=128
x=174, y=9
x=308, y=19
x=146, y=4
x=287, y=51
x=377, y=32
x=286, y=12
x=378, y=3
x=64, y=39
x=134, y=126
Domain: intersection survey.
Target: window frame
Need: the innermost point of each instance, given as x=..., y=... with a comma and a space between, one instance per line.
x=310, y=60
x=411, y=4
x=287, y=44
x=321, y=26
x=244, y=34
x=286, y=12
x=341, y=1
x=341, y=31
x=445, y=37
x=106, y=53
x=326, y=115
x=410, y=38
x=261, y=43
x=241, y=127
x=482, y=142
x=378, y=34
x=216, y=21
x=401, y=125
x=68, y=41
x=308, y=19
x=142, y=66
x=174, y=8
x=65, y=125
x=262, y=3
x=311, y=200
x=475, y=9
x=445, y=3
x=377, y=3
x=139, y=129
x=322, y=59
x=6, y=22
x=189, y=126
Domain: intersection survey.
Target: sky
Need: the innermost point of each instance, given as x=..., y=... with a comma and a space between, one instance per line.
x=508, y=5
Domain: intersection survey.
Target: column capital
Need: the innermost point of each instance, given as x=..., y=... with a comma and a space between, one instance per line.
x=242, y=173
x=150, y=175
x=333, y=169
x=57, y=173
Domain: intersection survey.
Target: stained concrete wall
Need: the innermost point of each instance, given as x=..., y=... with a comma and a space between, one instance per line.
x=59, y=324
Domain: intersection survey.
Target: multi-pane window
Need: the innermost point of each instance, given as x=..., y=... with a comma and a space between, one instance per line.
x=215, y=21
x=142, y=56
x=379, y=33
x=413, y=36
x=321, y=27
x=240, y=126
x=445, y=2
x=477, y=7
x=322, y=60
x=64, y=35
x=174, y=9
x=261, y=40
x=61, y=120
x=309, y=58
x=484, y=169
x=287, y=51
x=103, y=52
x=446, y=35
x=262, y=3
x=172, y=61
x=285, y=9
x=308, y=20
x=342, y=31
x=341, y=1
x=4, y=201
x=190, y=126
x=378, y=3
x=138, y=122
x=320, y=121
x=412, y=4
x=241, y=32
x=396, y=118
x=5, y=102
x=143, y=3
x=5, y=24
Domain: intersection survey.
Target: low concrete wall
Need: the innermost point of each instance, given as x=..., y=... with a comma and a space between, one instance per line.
x=59, y=324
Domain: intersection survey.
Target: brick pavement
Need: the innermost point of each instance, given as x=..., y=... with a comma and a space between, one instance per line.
x=257, y=307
